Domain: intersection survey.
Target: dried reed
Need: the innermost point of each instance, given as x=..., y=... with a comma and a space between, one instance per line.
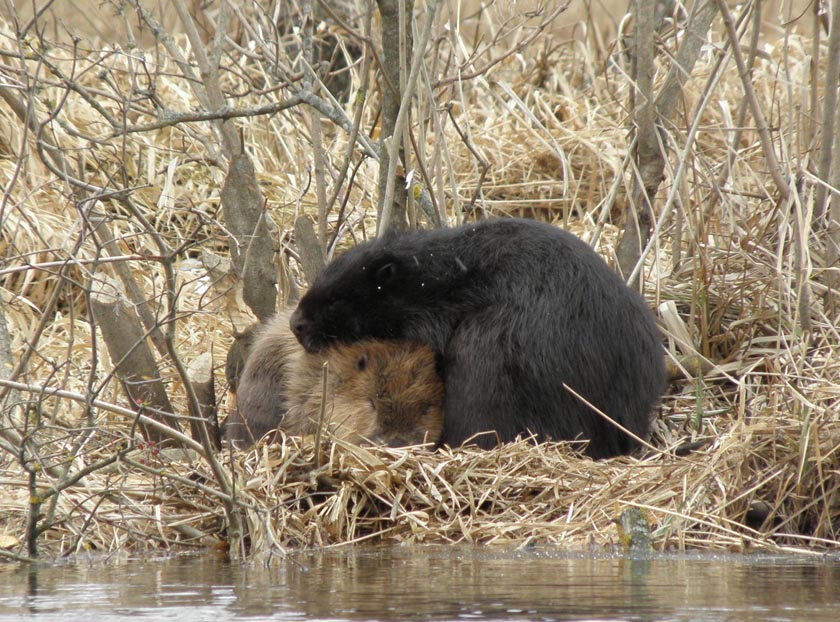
x=763, y=407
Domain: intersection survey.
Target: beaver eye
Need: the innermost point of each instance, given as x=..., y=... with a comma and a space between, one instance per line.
x=362, y=362
x=386, y=274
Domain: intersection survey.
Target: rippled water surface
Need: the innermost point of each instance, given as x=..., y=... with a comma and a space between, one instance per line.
x=429, y=583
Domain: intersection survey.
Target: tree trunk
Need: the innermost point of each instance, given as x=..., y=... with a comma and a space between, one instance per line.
x=133, y=360
x=252, y=236
x=396, y=55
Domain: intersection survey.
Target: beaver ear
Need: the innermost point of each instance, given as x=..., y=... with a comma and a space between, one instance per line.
x=386, y=273
x=361, y=362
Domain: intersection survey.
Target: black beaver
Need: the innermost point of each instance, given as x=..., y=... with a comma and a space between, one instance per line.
x=517, y=309
x=383, y=392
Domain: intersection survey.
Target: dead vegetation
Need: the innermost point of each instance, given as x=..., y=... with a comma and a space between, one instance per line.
x=728, y=274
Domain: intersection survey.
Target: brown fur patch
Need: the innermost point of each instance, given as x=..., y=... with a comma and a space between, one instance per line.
x=376, y=391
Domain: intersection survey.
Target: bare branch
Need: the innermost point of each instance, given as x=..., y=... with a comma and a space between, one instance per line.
x=172, y=119
x=392, y=143
x=827, y=134
x=209, y=71
x=181, y=438
x=761, y=124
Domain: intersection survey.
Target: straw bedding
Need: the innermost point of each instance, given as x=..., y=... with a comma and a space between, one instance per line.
x=764, y=472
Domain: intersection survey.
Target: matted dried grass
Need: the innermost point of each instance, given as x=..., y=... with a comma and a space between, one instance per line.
x=765, y=474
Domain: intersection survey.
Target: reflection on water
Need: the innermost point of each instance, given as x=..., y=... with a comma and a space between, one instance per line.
x=430, y=583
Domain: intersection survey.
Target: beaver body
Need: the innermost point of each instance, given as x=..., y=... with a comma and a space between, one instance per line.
x=519, y=311
x=379, y=392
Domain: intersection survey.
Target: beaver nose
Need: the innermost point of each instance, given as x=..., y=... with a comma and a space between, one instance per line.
x=298, y=324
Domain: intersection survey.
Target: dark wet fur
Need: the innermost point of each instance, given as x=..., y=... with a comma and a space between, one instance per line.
x=516, y=308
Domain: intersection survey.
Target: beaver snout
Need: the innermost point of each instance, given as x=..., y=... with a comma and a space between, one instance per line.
x=298, y=323
x=302, y=329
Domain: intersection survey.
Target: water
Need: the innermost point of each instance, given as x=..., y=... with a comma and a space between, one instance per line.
x=429, y=583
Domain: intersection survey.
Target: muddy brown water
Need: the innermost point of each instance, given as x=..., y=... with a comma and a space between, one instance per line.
x=429, y=583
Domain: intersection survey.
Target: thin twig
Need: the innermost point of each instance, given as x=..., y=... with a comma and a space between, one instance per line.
x=760, y=122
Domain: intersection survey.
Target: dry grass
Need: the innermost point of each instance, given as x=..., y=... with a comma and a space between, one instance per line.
x=767, y=409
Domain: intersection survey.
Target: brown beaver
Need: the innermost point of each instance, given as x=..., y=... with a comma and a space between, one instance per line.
x=378, y=392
